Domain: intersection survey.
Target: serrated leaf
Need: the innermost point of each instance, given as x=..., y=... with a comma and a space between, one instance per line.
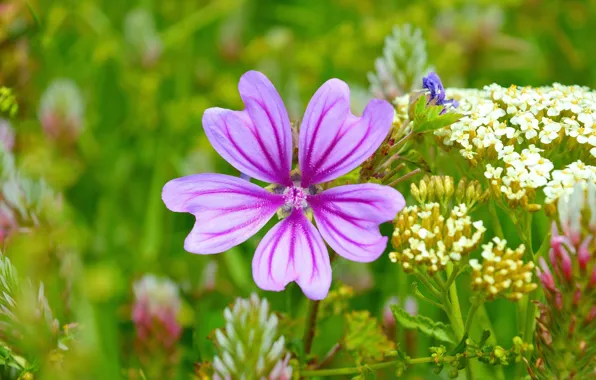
x=425, y=325
x=364, y=337
x=429, y=118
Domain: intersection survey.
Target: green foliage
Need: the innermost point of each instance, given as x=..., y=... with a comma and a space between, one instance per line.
x=8, y=102
x=425, y=325
x=364, y=338
x=427, y=118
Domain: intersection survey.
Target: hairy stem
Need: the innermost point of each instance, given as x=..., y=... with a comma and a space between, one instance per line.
x=311, y=325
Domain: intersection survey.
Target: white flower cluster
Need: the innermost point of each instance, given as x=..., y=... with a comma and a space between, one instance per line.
x=525, y=136
x=424, y=237
x=502, y=271
x=250, y=347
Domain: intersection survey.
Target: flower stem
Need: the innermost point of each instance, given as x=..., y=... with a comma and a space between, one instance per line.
x=375, y=366
x=404, y=177
x=492, y=209
x=471, y=313
x=311, y=325
x=428, y=285
x=457, y=320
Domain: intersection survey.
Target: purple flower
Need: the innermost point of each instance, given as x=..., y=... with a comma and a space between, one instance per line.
x=433, y=84
x=258, y=142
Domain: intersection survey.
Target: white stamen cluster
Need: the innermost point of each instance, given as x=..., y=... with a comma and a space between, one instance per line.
x=425, y=238
x=250, y=346
x=502, y=271
x=525, y=136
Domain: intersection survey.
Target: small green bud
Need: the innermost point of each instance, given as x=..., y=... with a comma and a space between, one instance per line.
x=453, y=373
x=461, y=190
x=438, y=369
x=423, y=191
x=449, y=186
x=500, y=352
x=415, y=192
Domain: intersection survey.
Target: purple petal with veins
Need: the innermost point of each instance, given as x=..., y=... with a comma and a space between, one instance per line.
x=293, y=251
x=348, y=218
x=228, y=209
x=258, y=140
x=332, y=140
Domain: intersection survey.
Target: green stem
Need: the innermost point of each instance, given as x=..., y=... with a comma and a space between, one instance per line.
x=471, y=313
x=375, y=366
x=393, y=172
x=492, y=209
x=428, y=285
x=457, y=322
x=311, y=325
x=404, y=177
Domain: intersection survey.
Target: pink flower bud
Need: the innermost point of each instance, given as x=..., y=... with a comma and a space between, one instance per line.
x=592, y=315
x=583, y=253
x=155, y=311
x=6, y=135
x=61, y=111
x=545, y=275
x=388, y=319
x=577, y=295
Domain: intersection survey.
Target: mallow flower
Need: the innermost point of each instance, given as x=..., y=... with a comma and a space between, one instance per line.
x=258, y=142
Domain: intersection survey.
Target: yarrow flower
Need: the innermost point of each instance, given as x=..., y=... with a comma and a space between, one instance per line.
x=258, y=142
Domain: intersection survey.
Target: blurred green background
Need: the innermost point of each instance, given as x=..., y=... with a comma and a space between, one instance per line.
x=147, y=70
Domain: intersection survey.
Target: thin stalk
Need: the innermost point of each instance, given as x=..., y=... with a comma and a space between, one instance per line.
x=428, y=285
x=375, y=366
x=311, y=325
x=458, y=322
x=393, y=172
x=492, y=209
x=470, y=316
x=403, y=178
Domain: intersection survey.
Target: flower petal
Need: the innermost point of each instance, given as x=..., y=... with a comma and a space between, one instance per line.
x=332, y=140
x=348, y=217
x=293, y=250
x=258, y=140
x=228, y=209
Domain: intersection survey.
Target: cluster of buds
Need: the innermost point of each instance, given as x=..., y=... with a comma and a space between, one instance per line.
x=564, y=332
x=155, y=315
x=423, y=237
x=441, y=189
x=250, y=347
x=61, y=111
x=502, y=272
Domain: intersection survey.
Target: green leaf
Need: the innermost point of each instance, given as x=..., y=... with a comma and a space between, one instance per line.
x=364, y=337
x=425, y=325
x=484, y=338
x=428, y=117
x=461, y=346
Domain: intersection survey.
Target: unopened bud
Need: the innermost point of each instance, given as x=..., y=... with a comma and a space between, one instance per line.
x=415, y=193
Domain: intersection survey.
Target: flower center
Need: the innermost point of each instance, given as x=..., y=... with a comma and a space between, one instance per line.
x=295, y=197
